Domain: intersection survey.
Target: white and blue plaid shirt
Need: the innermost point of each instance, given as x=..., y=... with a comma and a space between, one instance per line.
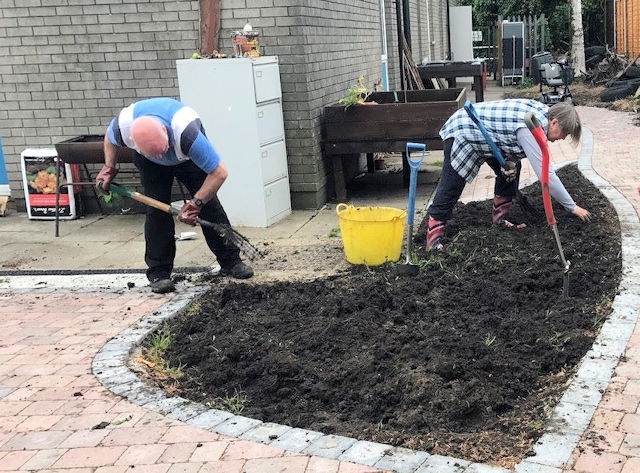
x=502, y=119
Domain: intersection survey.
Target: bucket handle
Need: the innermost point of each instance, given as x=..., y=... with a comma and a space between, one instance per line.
x=401, y=216
x=341, y=207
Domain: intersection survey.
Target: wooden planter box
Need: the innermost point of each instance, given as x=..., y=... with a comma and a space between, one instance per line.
x=80, y=151
x=88, y=149
x=387, y=125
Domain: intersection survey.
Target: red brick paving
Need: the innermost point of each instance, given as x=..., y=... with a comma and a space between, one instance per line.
x=50, y=402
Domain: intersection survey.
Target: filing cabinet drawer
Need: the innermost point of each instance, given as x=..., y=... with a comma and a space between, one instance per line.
x=274, y=161
x=270, y=122
x=277, y=200
x=267, y=82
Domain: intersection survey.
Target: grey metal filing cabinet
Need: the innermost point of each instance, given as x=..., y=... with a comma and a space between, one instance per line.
x=240, y=103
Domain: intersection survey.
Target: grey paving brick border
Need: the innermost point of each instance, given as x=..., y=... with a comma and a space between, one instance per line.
x=552, y=451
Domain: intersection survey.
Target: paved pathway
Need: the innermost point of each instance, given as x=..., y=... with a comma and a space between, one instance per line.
x=56, y=346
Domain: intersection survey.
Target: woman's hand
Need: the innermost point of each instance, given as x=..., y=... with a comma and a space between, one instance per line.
x=582, y=214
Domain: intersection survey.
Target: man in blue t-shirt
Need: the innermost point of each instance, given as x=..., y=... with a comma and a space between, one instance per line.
x=171, y=143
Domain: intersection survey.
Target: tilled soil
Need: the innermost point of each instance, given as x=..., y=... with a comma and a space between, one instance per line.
x=466, y=359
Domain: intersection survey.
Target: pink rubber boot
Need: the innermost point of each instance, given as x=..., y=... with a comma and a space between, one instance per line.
x=501, y=206
x=435, y=232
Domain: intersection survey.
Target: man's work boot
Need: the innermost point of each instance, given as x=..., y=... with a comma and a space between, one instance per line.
x=435, y=232
x=501, y=206
x=162, y=285
x=238, y=271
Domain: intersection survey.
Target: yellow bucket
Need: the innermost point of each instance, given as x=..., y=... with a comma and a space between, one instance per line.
x=371, y=235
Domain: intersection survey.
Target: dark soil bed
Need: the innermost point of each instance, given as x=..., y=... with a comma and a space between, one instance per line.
x=467, y=359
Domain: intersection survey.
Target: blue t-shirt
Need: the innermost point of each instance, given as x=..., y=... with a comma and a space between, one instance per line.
x=187, y=139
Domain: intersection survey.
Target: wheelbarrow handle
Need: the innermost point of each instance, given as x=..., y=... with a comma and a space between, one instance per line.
x=471, y=111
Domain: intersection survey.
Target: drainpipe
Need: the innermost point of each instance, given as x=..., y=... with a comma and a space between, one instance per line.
x=406, y=17
x=384, y=53
x=399, y=29
x=449, y=33
x=429, y=31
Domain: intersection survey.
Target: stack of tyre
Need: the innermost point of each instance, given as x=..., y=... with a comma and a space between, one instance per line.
x=624, y=86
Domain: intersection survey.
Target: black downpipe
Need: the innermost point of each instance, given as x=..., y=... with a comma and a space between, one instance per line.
x=406, y=18
x=400, y=50
x=449, y=32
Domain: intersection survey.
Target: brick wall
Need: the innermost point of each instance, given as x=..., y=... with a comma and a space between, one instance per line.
x=68, y=66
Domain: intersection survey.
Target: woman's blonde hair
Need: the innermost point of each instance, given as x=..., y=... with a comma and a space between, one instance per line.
x=568, y=119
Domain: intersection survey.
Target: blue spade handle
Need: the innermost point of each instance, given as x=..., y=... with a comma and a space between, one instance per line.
x=471, y=111
x=414, y=164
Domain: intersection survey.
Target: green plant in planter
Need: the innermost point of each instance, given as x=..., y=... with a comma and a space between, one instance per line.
x=356, y=94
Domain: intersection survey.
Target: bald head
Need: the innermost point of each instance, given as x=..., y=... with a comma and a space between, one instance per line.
x=150, y=136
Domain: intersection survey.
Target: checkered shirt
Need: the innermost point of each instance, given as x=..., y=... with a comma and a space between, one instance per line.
x=502, y=119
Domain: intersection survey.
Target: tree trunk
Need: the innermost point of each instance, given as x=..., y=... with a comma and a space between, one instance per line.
x=577, y=41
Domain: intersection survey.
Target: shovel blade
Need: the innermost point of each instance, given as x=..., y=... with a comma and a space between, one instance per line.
x=408, y=270
x=565, y=284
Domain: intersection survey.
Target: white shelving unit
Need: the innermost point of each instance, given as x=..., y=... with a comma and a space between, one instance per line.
x=240, y=103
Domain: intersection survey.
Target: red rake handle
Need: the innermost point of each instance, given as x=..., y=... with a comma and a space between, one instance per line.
x=538, y=133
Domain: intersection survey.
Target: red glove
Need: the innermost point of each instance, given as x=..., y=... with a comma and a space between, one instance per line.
x=189, y=213
x=104, y=178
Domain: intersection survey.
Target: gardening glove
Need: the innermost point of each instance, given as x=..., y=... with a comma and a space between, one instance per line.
x=189, y=213
x=104, y=178
x=510, y=171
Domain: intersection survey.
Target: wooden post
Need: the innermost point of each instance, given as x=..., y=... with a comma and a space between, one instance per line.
x=209, y=26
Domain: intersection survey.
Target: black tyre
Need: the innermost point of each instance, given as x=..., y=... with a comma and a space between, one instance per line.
x=616, y=93
x=593, y=61
x=593, y=50
x=632, y=72
x=630, y=82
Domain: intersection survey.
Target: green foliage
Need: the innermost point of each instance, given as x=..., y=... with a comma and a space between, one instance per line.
x=160, y=342
x=559, y=20
x=489, y=339
x=557, y=16
x=234, y=404
x=356, y=94
x=154, y=351
x=526, y=83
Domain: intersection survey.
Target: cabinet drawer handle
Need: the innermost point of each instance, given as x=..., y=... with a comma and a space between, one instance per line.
x=258, y=74
x=260, y=114
x=265, y=154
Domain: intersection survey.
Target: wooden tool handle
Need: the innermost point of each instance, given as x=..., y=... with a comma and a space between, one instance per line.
x=156, y=204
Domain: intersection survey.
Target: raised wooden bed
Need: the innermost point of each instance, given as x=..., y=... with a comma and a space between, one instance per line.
x=89, y=149
x=387, y=125
x=83, y=150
